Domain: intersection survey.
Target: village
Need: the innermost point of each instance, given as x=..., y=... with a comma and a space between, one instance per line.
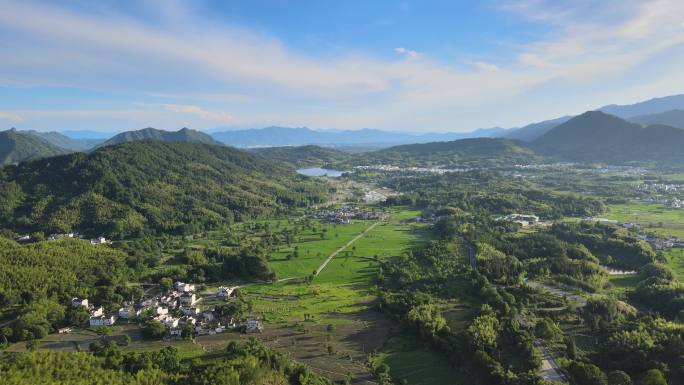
x=344, y=215
x=177, y=309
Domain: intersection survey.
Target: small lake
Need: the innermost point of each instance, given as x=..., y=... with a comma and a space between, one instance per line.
x=317, y=171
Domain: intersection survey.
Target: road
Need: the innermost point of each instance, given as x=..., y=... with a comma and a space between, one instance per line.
x=333, y=255
x=559, y=292
x=549, y=369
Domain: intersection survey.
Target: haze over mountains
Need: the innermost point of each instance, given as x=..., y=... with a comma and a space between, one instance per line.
x=613, y=135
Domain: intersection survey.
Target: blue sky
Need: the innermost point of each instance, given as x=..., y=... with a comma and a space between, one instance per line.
x=393, y=65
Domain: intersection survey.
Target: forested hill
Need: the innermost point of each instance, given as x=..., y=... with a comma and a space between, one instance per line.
x=143, y=186
x=598, y=137
x=17, y=147
x=182, y=135
x=464, y=152
x=304, y=156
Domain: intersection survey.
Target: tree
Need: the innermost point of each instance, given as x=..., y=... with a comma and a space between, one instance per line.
x=653, y=377
x=154, y=329
x=103, y=331
x=618, y=377
x=484, y=331
x=587, y=374
x=166, y=283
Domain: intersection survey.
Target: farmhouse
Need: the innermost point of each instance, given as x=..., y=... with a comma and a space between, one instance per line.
x=184, y=287
x=79, y=302
x=102, y=321
x=188, y=299
x=97, y=312
x=225, y=291
x=128, y=313
x=98, y=241
x=252, y=325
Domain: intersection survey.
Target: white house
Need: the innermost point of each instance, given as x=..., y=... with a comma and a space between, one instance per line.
x=98, y=241
x=190, y=310
x=184, y=287
x=161, y=310
x=225, y=291
x=24, y=238
x=79, y=302
x=102, y=321
x=188, y=299
x=171, y=322
x=253, y=325
x=97, y=312
x=128, y=313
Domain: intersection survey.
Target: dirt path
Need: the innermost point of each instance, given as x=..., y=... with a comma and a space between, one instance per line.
x=341, y=249
x=549, y=369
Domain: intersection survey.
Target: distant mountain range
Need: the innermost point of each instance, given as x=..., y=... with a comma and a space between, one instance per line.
x=656, y=113
x=182, y=135
x=287, y=136
x=674, y=118
x=17, y=146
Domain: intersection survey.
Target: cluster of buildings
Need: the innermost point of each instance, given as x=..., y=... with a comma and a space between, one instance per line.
x=524, y=220
x=420, y=170
x=344, y=215
x=175, y=309
x=659, y=187
x=97, y=314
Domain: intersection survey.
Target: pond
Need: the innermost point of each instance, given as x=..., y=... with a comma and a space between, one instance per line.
x=317, y=171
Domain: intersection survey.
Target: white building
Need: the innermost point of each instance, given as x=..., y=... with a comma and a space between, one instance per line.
x=190, y=311
x=102, y=321
x=161, y=310
x=171, y=322
x=188, y=299
x=225, y=291
x=97, y=312
x=253, y=325
x=184, y=287
x=128, y=313
x=98, y=241
x=79, y=302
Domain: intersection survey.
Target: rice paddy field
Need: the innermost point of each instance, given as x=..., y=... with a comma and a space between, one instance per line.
x=653, y=217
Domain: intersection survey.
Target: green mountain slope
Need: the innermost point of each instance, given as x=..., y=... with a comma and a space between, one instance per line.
x=17, y=147
x=458, y=153
x=304, y=156
x=182, y=135
x=598, y=137
x=143, y=186
x=64, y=141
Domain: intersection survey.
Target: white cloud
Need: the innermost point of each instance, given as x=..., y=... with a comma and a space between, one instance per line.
x=406, y=52
x=217, y=117
x=592, y=46
x=11, y=116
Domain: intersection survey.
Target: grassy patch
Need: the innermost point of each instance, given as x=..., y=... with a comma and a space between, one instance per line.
x=653, y=217
x=416, y=365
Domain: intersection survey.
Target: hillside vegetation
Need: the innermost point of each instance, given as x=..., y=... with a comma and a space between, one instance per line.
x=148, y=186
x=182, y=135
x=598, y=137
x=465, y=152
x=17, y=147
x=304, y=156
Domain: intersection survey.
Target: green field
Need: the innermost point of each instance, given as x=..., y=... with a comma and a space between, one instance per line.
x=313, y=250
x=675, y=260
x=407, y=361
x=653, y=217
